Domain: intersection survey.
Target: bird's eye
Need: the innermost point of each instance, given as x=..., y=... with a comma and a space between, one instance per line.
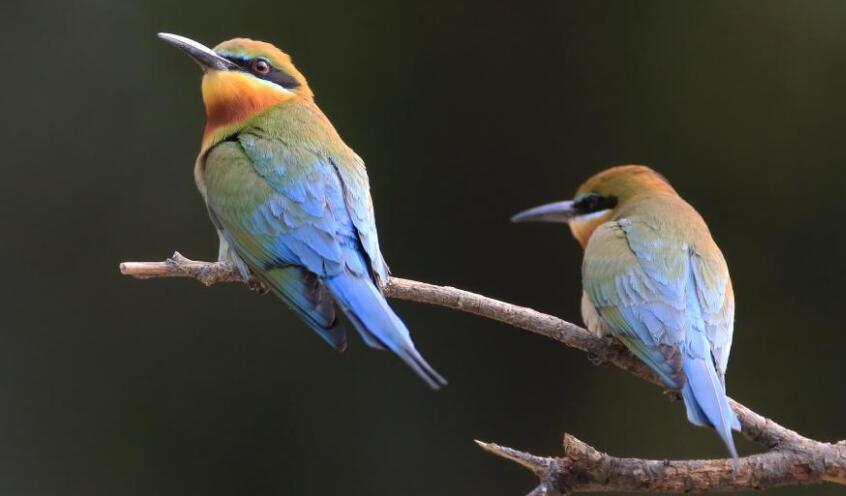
x=590, y=203
x=260, y=66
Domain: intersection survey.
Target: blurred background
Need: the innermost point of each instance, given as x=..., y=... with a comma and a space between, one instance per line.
x=466, y=112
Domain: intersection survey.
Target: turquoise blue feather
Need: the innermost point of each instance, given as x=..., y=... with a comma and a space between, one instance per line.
x=299, y=214
x=666, y=295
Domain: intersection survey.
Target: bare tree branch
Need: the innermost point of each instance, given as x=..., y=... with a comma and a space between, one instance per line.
x=584, y=469
x=792, y=459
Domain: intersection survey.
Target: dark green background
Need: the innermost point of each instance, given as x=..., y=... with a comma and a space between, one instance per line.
x=465, y=112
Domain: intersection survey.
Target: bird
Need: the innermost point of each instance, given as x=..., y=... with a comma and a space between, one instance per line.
x=289, y=199
x=653, y=277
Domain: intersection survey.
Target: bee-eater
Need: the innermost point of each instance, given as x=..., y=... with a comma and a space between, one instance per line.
x=654, y=278
x=290, y=200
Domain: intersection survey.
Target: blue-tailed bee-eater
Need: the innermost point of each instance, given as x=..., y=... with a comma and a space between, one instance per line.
x=654, y=278
x=290, y=200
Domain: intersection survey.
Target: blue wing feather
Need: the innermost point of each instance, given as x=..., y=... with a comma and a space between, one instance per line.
x=669, y=305
x=307, y=229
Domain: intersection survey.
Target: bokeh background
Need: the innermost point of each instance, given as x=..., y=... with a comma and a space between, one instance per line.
x=465, y=112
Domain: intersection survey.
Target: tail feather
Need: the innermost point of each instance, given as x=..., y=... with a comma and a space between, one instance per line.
x=377, y=323
x=706, y=401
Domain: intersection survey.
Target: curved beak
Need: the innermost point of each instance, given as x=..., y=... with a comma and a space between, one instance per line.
x=560, y=212
x=204, y=55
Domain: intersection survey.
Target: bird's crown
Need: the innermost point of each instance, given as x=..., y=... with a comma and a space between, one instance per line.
x=624, y=182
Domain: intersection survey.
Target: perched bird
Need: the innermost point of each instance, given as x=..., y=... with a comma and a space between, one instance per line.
x=290, y=200
x=654, y=278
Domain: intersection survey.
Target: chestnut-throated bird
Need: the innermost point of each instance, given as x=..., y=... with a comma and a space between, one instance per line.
x=290, y=200
x=654, y=278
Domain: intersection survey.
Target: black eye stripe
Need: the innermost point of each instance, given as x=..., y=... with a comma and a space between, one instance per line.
x=591, y=203
x=275, y=75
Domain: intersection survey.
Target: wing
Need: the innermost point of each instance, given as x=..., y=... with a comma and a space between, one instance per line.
x=283, y=210
x=320, y=182
x=283, y=206
x=636, y=283
x=286, y=211
x=716, y=299
x=353, y=175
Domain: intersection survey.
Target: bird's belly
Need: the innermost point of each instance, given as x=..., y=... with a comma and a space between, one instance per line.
x=226, y=253
x=591, y=318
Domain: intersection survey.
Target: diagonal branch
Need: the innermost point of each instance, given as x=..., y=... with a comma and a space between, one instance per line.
x=792, y=459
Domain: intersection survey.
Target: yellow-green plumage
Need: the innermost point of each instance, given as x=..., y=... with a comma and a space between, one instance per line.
x=647, y=253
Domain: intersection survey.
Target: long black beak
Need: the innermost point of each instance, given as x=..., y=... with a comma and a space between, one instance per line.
x=560, y=212
x=204, y=55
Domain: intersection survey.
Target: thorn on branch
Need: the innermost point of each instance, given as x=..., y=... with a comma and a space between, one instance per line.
x=536, y=464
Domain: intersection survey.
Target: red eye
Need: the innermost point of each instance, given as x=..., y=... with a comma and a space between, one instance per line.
x=260, y=66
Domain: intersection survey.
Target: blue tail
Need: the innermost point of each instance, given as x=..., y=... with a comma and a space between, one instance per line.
x=704, y=394
x=378, y=325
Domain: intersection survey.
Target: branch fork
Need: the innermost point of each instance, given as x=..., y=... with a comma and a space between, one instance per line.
x=791, y=459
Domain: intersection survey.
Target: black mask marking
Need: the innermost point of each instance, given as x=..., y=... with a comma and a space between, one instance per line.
x=275, y=75
x=592, y=202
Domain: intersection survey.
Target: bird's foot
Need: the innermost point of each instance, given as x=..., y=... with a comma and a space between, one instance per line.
x=257, y=286
x=596, y=358
x=601, y=357
x=673, y=395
